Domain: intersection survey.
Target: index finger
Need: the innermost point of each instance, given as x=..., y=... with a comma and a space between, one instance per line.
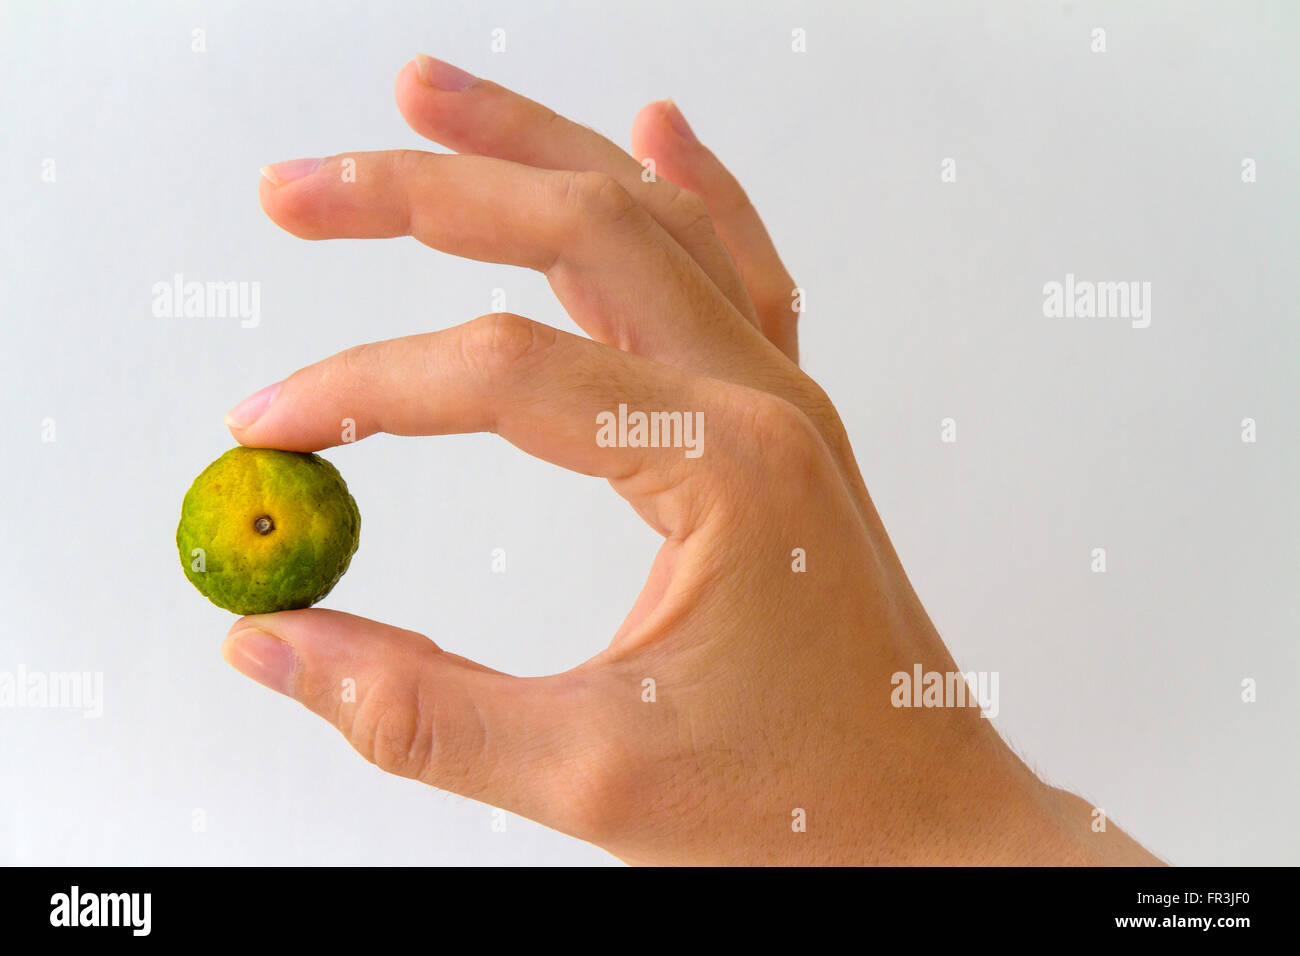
x=559, y=397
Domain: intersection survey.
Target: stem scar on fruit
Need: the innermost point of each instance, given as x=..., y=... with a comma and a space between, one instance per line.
x=264, y=525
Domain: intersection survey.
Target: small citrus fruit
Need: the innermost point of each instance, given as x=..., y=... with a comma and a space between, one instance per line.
x=264, y=530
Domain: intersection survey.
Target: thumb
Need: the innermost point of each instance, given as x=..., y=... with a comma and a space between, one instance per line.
x=416, y=711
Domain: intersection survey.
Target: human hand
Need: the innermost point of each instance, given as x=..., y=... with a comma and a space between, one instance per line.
x=772, y=685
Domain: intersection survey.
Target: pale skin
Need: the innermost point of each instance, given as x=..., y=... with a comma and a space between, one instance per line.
x=772, y=686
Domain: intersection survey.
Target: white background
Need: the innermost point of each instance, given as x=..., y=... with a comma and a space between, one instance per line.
x=925, y=302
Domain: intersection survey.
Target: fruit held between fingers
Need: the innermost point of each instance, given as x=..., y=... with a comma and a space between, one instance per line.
x=263, y=530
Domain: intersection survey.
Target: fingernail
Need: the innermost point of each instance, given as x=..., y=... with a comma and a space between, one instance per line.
x=262, y=657
x=442, y=76
x=251, y=408
x=679, y=123
x=290, y=169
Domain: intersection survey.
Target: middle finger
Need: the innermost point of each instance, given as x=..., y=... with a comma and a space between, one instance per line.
x=472, y=115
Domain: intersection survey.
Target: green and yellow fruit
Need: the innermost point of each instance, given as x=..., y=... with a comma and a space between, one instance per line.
x=264, y=530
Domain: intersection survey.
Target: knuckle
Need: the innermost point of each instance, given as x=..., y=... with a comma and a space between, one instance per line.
x=407, y=161
x=406, y=728
x=818, y=408
x=778, y=419
x=690, y=212
x=389, y=729
x=812, y=399
x=593, y=806
x=591, y=195
x=601, y=792
x=777, y=431
x=494, y=343
x=594, y=775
